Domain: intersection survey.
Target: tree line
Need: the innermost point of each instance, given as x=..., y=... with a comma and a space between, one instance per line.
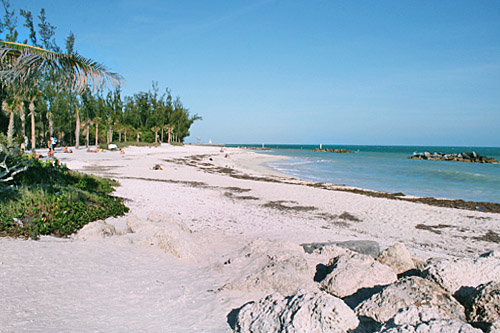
x=82, y=111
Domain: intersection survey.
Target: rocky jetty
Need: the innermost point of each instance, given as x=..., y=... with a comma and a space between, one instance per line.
x=329, y=150
x=391, y=292
x=472, y=157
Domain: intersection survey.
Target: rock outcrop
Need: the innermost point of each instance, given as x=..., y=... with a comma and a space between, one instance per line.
x=330, y=150
x=483, y=309
x=369, y=247
x=95, y=230
x=407, y=292
x=462, y=157
x=461, y=276
x=270, y=266
x=354, y=271
x=398, y=258
x=456, y=295
x=433, y=326
x=424, y=319
x=304, y=311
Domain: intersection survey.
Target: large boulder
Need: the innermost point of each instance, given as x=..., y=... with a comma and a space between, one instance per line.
x=423, y=319
x=483, y=309
x=369, y=247
x=461, y=276
x=304, y=311
x=351, y=272
x=270, y=266
x=406, y=292
x=413, y=315
x=95, y=230
x=433, y=326
x=398, y=258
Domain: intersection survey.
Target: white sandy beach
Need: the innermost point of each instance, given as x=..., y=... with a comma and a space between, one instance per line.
x=201, y=226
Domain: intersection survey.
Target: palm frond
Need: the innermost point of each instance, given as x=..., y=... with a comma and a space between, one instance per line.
x=20, y=63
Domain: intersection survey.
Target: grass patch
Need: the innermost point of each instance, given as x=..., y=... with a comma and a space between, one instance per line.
x=49, y=199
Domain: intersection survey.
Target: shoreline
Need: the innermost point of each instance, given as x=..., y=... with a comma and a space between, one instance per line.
x=490, y=207
x=199, y=239
x=486, y=206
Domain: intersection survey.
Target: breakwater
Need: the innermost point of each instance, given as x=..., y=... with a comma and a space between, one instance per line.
x=472, y=157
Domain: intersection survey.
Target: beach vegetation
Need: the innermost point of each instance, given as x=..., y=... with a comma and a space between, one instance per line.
x=46, y=198
x=49, y=92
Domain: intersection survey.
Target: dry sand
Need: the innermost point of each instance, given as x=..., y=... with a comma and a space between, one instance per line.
x=212, y=220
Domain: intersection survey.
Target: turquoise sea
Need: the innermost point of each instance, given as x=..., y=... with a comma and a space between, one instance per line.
x=388, y=169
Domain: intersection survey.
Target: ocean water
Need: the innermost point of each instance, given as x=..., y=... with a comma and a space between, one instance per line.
x=388, y=169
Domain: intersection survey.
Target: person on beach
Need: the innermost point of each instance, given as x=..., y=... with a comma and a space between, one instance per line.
x=66, y=150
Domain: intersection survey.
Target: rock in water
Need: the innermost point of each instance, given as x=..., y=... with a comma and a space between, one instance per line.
x=410, y=291
x=484, y=307
x=351, y=272
x=398, y=258
x=304, y=311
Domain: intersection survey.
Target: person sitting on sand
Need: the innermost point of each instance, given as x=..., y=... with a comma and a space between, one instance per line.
x=122, y=151
x=66, y=150
x=91, y=151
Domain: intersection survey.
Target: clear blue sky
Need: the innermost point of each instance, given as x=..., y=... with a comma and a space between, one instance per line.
x=339, y=72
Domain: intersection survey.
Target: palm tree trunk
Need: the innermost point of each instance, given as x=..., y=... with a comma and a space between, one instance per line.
x=32, y=113
x=10, y=130
x=51, y=124
x=23, y=122
x=97, y=135
x=77, y=129
x=87, y=135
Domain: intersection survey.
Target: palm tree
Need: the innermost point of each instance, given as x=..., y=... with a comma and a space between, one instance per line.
x=119, y=128
x=77, y=129
x=21, y=62
x=156, y=129
x=86, y=130
x=32, y=114
x=96, y=121
x=22, y=65
x=23, y=122
x=9, y=110
x=169, y=129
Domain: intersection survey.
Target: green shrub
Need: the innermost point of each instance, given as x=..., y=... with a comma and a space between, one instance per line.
x=49, y=199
